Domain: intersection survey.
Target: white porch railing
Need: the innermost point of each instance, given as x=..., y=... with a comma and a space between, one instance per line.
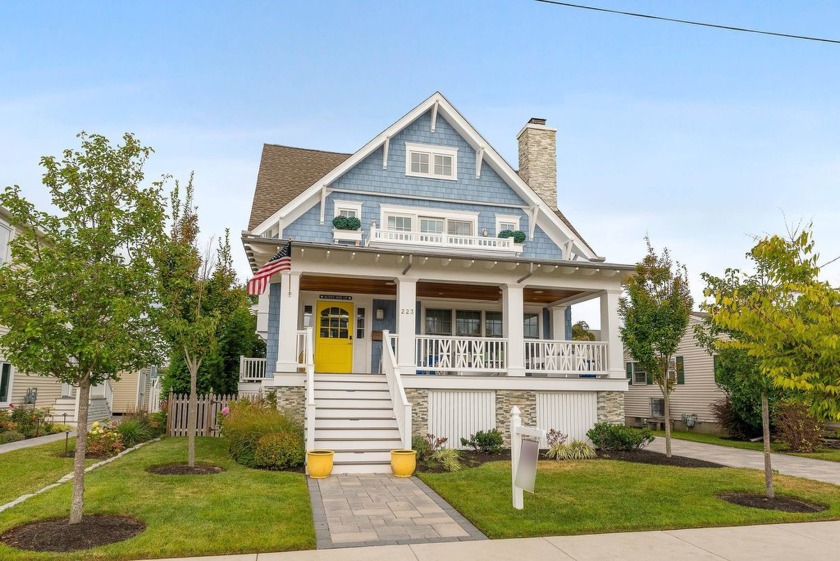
x=447, y=241
x=439, y=353
x=402, y=407
x=309, y=364
x=251, y=369
x=570, y=358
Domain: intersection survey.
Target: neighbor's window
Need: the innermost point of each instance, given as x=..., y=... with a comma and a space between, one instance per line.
x=438, y=162
x=5, y=381
x=5, y=237
x=639, y=375
x=657, y=407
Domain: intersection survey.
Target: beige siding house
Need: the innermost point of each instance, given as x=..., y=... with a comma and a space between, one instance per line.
x=695, y=391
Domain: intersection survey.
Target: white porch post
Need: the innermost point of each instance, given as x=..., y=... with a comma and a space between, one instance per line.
x=513, y=311
x=610, y=333
x=406, y=327
x=558, y=322
x=287, y=344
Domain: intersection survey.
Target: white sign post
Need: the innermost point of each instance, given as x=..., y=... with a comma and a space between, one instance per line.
x=524, y=452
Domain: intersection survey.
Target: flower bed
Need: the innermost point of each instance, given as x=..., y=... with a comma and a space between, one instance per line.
x=26, y=421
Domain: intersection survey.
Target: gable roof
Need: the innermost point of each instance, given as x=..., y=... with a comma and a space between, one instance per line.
x=286, y=172
x=442, y=107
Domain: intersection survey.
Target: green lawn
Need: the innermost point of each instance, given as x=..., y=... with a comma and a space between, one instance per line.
x=599, y=496
x=29, y=469
x=238, y=511
x=821, y=454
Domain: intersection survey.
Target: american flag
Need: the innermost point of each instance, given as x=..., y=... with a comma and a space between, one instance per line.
x=280, y=262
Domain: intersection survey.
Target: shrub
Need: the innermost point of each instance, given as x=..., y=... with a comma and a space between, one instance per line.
x=157, y=423
x=30, y=421
x=797, y=428
x=517, y=235
x=281, y=450
x=104, y=440
x=427, y=445
x=340, y=222
x=447, y=459
x=134, y=429
x=556, y=442
x=10, y=436
x=731, y=421
x=248, y=422
x=607, y=436
x=505, y=234
x=486, y=442
x=576, y=450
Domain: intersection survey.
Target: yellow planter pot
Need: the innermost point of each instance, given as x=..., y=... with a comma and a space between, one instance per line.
x=403, y=462
x=319, y=463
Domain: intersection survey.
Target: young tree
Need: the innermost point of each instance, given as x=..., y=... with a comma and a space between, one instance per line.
x=787, y=320
x=79, y=299
x=655, y=313
x=580, y=332
x=187, y=315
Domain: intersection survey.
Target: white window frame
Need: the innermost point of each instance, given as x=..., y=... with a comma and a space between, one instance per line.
x=416, y=213
x=500, y=219
x=355, y=206
x=633, y=379
x=433, y=151
x=5, y=240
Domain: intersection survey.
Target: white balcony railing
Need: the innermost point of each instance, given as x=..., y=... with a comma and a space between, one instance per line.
x=251, y=369
x=570, y=358
x=443, y=241
x=438, y=353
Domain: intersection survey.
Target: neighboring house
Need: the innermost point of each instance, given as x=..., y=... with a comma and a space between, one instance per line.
x=19, y=388
x=693, y=394
x=462, y=322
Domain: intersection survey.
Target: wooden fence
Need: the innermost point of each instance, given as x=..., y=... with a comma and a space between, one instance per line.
x=207, y=418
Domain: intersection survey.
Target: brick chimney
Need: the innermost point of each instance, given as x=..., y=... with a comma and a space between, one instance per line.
x=538, y=159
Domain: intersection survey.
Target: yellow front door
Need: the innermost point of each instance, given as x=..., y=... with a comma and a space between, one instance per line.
x=334, y=337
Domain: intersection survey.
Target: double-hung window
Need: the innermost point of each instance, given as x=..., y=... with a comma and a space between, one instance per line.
x=5, y=237
x=436, y=162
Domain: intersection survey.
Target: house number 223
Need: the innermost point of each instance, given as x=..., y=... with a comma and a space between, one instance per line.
x=409, y=311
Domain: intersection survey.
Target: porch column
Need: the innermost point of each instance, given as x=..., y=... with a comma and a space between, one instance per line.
x=406, y=327
x=558, y=322
x=287, y=344
x=610, y=333
x=513, y=312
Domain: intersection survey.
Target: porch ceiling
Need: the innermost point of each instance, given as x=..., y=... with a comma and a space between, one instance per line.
x=486, y=292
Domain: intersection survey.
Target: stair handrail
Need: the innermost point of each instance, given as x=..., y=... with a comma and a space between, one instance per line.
x=310, y=389
x=402, y=407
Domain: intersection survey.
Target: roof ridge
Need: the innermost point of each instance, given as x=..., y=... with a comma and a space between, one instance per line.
x=307, y=149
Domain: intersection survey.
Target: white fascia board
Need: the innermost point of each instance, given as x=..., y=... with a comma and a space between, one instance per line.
x=466, y=130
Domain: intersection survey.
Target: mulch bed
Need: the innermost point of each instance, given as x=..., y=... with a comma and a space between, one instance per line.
x=184, y=469
x=59, y=535
x=655, y=458
x=783, y=504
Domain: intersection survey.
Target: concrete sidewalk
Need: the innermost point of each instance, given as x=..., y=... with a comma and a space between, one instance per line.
x=37, y=441
x=814, y=541
x=808, y=468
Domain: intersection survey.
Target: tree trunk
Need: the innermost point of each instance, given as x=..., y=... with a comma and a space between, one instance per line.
x=765, y=428
x=192, y=419
x=667, y=396
x=78, y=503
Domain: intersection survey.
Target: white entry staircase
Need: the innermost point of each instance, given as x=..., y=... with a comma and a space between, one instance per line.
x=355, y=418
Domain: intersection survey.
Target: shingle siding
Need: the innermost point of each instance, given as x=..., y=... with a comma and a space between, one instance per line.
x=393, y=184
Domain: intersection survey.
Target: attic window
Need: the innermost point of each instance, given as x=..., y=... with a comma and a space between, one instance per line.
x=438, y=162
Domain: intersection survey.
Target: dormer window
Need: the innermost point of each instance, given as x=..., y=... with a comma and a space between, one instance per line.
x=437, y=162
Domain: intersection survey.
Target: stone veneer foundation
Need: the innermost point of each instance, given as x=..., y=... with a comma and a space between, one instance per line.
x=611, y=407
x=292, y=399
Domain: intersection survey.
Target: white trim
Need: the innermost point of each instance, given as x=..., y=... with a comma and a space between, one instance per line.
x=506, y=218
x=385, y=148
x=479, y=158
x=355, y=206
x=432, y=151
x=472, y=137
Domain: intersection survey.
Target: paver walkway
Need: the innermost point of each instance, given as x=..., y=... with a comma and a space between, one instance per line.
x=378, y=509
x=808, y=468
x=812, y=541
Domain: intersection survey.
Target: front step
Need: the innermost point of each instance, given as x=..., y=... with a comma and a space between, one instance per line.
x=354, y=416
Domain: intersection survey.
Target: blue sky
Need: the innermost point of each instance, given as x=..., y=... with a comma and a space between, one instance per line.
x=699, y=138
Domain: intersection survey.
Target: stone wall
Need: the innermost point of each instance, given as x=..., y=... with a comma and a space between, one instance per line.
x=611, y=407
x=419, y=399
x=505, y=400
x=538, y=160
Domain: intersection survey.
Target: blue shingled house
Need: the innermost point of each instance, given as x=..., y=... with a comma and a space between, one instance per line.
x=429, y=291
